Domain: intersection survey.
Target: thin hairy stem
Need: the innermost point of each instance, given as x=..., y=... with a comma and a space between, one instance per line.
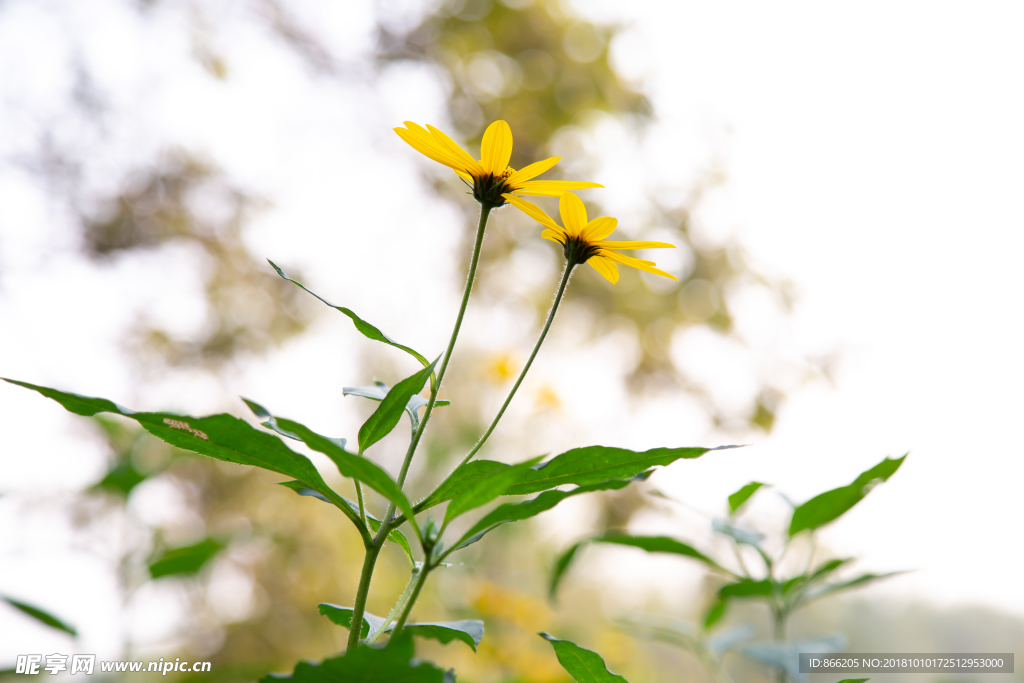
x=412, y=601
x=362, y=507
x=399, y=606
x=369, y=560
x=536, y=347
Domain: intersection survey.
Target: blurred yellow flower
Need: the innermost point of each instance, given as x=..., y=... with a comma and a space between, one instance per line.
x=584, y=241
x=491, y=177
x=502, y=367
x=547, y=399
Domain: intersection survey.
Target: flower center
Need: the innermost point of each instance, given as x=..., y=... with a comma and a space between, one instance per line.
x=487, y=189
x=578, y=251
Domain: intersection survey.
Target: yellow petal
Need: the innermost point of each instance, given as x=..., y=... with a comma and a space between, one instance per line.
x=533, y=211
x=605, y=267
x=532, y=171
x=496, y=148
x=421, y=141
x=574, y=214
x=639, y=264
x=552, y=188
x=472, y=165
x=636, y=245
x=465, y=176
x=599, y=228
x=554, y=235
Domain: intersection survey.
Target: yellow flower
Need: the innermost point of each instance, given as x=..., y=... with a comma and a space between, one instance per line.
x=491, y=176
x=584, y=241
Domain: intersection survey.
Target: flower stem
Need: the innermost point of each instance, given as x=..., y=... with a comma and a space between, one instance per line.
x=399, y=606
x=370, y=559
x=569, y=265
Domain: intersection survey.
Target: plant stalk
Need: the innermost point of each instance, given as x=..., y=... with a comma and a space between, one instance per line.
x=522, y=375
x=369, y=561
x=399, y=606
x=412, y=601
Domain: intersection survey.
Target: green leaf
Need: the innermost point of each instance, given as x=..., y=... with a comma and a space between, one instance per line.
x=746, y=588
x=514, y=512
x=469, y=631
x=379, y=391
x=365, y=328
x=120, y=479
x=391, y=664
x=39, y=615
x=585, y=666
x=342, y=616
x=351, y=465
x=737, y=499
x=460, y=478
x=738, y=534
x=826, y=507
x=390, y=410
x=861, y=580
x=715, y=613
x=485, y=489
x=652, y=544
x=185, y=560
x=854, y=680
x=223, y=437
x=395, y=536
x=594, y=464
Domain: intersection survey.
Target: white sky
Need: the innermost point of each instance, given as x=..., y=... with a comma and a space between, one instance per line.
x=873, y=154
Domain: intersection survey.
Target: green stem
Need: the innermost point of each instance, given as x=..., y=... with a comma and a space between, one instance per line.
x=369, y=560
x=402, y=601
x=362, y=507
x=412, y=601
x=540, y=340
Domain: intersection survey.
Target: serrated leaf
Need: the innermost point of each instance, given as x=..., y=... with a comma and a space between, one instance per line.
x=387, y=415
x=594, y=464
x=460, y=478
x=39, y=615
x=393, y=664
x=365, y=328
x=351, y=465
x=395, y=536
x=342, y=616
x=185, y=560
x=737, y=499
x=828, y=506
x=485, y=489
x=223, y=437
x=514, y=512
x=586, y=666
x=652, y=544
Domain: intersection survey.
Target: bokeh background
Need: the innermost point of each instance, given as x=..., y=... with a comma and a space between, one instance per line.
x=843, y=182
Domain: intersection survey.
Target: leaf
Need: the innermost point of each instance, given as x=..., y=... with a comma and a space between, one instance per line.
x=737, y=499
x=40, y=615
x=390, y=410
x=469, y=631
x=223, y=437
x=652, y=544
x=826, y=507
x=460, y=478
x=185, y=560
x=739, y=535
x=853, y=583
x=485, y=489
x=854, y=680
x=379, y=390
x=395, y=536
x=730, y=638
x=594, y=464
x=120, y=479
x=786, y=656
x=365, y=328
x=351, y=465
x=342, y=616
x=514, y=512
x=585, y=666
x=715, y=613
x=746, y=588
x=391, y=664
